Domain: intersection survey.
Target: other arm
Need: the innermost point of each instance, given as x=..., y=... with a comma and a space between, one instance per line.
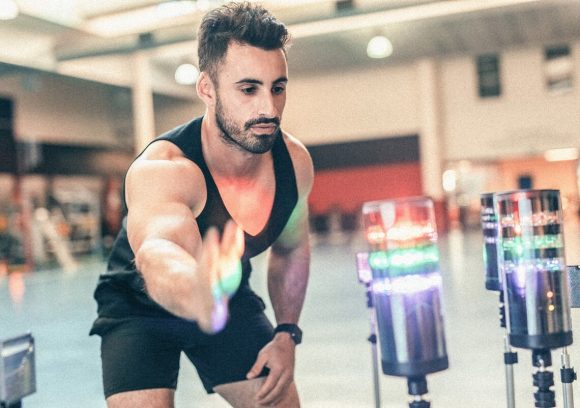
x=288, y=272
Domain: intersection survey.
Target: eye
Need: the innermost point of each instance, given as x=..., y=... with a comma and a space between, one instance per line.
x=249, y=90
x=277, y=90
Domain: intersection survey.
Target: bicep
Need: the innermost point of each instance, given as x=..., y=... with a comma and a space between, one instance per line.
x=172, y=222
x=162, y=204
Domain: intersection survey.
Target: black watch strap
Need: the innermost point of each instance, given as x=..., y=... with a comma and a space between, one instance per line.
x=292, y=329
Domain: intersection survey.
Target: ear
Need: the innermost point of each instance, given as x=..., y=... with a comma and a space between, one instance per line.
x=206, y=89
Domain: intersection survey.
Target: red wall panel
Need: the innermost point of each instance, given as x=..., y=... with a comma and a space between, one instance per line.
x=348, y=188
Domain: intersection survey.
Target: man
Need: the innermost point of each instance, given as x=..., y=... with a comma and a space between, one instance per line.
x=166, y=290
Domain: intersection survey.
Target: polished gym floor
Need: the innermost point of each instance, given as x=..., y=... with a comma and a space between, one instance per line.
x=334, y=366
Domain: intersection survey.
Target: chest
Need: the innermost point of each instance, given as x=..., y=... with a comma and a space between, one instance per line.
x=250, y=206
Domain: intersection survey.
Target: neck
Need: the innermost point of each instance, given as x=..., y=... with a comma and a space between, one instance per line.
x=226, y=160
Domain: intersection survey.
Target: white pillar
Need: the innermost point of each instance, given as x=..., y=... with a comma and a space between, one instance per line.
x=430, y=137
x=142, y=95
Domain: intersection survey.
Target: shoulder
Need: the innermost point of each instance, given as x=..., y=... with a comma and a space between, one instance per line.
x=303, y=166
x=163, y=171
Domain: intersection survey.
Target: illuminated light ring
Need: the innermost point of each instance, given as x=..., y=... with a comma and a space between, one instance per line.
x=407, y=284
x=375, y=235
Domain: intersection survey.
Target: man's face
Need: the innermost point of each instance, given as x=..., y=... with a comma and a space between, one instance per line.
x=250, y=97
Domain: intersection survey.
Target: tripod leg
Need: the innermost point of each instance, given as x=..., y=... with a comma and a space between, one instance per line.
x=567, y=376
x=373, y=340
x=510, y=358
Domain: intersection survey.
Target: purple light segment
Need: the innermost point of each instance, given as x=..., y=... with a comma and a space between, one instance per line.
x=408, y=284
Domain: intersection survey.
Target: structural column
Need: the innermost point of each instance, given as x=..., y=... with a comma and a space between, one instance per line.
x=431, y=136
x=143, y=113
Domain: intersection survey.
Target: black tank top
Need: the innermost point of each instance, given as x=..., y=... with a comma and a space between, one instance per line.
x=121, y=292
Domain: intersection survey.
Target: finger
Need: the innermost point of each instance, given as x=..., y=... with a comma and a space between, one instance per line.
x=257, y=367
x=230, y=266
x=239, y=243
x=217, y=316
x=228, y=236
x=269, y=384
x=209, y=249
x=277, y=392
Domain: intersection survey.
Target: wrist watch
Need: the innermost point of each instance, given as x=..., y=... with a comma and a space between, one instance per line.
x=292, y=329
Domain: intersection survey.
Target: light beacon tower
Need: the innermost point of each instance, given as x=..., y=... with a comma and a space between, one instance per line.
x=493, y=282
x=533, y=266
x=404, y=260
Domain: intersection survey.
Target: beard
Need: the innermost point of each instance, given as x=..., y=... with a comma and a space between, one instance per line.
x=245, y=139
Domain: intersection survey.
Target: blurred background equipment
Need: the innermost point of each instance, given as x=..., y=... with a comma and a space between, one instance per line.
x=17, y=370
x=406, y=285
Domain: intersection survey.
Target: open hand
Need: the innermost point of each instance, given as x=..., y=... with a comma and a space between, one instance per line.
x=220, y=274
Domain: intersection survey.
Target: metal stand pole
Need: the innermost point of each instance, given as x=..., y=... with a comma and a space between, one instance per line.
x=373, y=340
x=567, y=375
x=509, y=357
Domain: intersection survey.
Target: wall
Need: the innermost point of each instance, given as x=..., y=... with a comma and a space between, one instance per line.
x=369, y=103
x=524, y=121
x=545, y=175
x=59, y=110
x=348, y=188
x=170, y=112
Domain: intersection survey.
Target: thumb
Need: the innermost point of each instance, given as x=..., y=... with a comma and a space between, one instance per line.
x=257, y=367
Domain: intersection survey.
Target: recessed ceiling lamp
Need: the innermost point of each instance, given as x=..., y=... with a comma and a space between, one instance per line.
x=561, y=154
x=8, y=9
x=379, y=47
x=186, y=74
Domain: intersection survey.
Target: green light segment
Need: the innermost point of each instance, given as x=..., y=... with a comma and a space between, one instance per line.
x=379, y=260
x=520, y=244
x=404, y=261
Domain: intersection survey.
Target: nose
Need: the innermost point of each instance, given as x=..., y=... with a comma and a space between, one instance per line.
x=267, y=107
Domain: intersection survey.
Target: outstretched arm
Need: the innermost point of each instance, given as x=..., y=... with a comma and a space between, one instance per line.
x=165, y=193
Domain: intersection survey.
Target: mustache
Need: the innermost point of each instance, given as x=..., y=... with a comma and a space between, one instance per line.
x=261, y=121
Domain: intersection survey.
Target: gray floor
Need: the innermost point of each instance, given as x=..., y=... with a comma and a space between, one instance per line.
x=334, y=363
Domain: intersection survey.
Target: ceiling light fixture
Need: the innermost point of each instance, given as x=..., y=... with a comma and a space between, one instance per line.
x=8, y=10
x=186, y=74
x=379, y=47
x=570, y=153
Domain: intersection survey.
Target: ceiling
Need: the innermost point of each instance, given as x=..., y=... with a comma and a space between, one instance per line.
x=80, y=38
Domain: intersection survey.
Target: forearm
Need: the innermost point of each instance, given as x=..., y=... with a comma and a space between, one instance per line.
x=169, y=274
x=287, y=282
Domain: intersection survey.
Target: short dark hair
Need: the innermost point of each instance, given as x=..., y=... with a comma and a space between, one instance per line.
x=245, y=23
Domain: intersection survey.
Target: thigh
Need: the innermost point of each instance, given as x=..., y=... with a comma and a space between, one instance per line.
x=157, y=398
x=139, y=354
x=229, y=355
x=242, y=394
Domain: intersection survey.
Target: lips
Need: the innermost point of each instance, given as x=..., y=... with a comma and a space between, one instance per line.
x=264, y=129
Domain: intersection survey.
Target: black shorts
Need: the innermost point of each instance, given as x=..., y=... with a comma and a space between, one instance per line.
x=143, y=352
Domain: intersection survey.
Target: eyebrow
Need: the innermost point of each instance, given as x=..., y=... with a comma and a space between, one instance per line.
x=258, y=82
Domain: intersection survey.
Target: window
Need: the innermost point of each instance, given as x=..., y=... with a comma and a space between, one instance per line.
x=488, y=76
x=558, y=68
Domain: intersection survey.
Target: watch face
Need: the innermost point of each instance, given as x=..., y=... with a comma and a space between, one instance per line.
x=292, y=329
